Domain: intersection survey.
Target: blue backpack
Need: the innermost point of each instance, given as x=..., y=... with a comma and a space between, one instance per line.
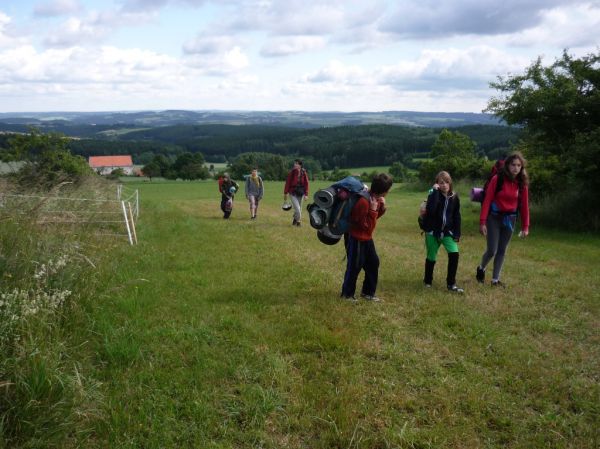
x=335, y=205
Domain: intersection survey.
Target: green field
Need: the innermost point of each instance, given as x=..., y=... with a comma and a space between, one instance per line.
x=223, y=334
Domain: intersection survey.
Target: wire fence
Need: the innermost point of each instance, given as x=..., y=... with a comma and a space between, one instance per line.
x=100, y=216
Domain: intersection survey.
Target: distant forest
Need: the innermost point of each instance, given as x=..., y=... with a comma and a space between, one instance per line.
x=339, y=146
x=343, y=146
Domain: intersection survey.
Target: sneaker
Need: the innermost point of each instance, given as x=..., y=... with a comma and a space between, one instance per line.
x=455, y=289
x=370, y=298
x=348, y=298
x=480, y=274
x=497, y=283
x=294, y=222
x=426, y=285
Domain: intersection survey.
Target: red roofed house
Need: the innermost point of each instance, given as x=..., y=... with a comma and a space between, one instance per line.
x=104, y=165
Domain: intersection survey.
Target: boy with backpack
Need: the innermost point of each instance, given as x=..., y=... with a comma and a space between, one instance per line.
x=441, y=224
x=360, y=248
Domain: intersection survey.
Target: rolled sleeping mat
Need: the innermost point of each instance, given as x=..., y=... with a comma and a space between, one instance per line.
x=325, y=236
x=477, y=194
x=325, y=198
x=318, y=216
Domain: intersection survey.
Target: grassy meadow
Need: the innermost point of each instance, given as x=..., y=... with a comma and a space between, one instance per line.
x=215, y=333
x=231, y=334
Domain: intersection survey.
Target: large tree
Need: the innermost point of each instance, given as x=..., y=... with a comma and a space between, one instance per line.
x=559, y=107
x=455, y=153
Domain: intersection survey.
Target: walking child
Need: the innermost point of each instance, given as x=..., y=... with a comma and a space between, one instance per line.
x=360, y=248
x=227, y=187
x=442, y=227
x=506, y=196
x=254, y=192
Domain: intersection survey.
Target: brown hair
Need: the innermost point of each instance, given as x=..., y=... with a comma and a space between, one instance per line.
x=522, y=177
x=444, y=176
x=381, y=183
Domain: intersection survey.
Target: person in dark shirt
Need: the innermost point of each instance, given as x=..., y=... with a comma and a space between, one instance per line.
x=228, y=187
x=442, y=227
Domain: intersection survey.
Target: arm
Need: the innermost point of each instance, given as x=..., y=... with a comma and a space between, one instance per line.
x=490, y=193
x=524, y=208
x=457, y=219
x=288, y=186
x=305, y=185
x=363, y=216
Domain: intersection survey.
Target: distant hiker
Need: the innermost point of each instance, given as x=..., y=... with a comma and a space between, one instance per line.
x=296, y=186
x=441, y=224
x=254, y=191
x=228, y=187
x=506, y=197
x=360, y=248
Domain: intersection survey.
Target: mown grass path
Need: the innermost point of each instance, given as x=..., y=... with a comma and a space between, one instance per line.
x=222, y=334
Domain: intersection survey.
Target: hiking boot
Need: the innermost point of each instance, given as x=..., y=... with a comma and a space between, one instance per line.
x=480, y=276
x=455, y=289
x=372, y=298
x=497, y=283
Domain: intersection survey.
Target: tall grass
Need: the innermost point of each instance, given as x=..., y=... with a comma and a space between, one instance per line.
x=48, y=271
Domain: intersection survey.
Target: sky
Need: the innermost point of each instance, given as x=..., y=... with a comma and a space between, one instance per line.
x=277, y=55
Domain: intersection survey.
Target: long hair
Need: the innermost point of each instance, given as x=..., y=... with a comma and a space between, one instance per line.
x=522, y=178
x=444, y=176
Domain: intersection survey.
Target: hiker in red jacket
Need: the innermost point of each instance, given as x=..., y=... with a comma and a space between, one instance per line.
x=360, y=248
x=296, y=186
x=506, y=197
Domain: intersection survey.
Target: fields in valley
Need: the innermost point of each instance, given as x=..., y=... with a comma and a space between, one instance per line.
x=221, y=334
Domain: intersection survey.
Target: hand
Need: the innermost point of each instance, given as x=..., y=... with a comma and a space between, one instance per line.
x=373, y=203
x=457, y=239
x=523, y=234
x=305, y=197
x=483, y=230
x=436, y=186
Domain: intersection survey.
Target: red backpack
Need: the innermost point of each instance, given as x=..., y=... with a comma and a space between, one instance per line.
x=478, y=193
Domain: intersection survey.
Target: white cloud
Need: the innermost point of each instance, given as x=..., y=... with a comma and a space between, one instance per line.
x=471, y=68
x=7, y=38
x=209, y=44
x=55, y=8
x=433, y=18
x=221, y=64
x=290, y=45
x=338, y=73
x=95, y=27
x=563, y=27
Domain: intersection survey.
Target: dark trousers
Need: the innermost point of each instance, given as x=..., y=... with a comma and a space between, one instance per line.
x=360, y=256
x=226, y=213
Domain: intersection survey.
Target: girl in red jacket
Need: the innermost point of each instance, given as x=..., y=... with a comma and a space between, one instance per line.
x=506, y=196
